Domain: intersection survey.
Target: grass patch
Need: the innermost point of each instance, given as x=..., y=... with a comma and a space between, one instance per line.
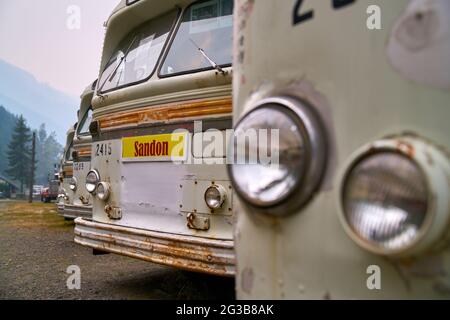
x=32, y=215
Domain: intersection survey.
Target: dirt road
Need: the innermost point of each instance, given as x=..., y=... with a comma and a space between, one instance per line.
x=36, y=248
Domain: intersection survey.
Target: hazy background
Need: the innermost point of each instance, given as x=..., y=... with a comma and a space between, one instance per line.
x=34, y=36
x=50, y=51
x=44, y=64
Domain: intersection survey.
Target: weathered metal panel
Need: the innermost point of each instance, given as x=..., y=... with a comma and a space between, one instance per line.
x=186, y=252
x=343, y=69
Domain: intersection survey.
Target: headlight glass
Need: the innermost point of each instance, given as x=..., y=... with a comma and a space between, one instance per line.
x=215, y=197
x=92, y=179
x=385, y=200
x=260, y=183
x=73, y=184
x=103, y=191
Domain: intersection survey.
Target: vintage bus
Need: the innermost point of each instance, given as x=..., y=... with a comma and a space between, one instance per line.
x=356, y=202
x=65, y=173
x=81, y=200
x=158, y=193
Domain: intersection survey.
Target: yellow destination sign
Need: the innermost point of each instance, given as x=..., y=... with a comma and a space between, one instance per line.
x=161, y=147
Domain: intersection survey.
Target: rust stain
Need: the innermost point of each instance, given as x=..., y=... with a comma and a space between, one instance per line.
x=209, y=256
x=428, y=267
x=167, y=112
x=407, y=148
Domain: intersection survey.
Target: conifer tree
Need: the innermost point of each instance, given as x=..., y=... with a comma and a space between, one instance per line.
x=19, y=153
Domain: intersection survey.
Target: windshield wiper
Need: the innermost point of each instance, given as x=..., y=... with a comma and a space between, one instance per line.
x=114, y=72
x=211, y=62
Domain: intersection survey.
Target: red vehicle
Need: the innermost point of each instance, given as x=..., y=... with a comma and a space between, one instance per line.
x=50, y=193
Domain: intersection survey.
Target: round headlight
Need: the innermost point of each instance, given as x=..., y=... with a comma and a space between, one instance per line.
x=288, y=134
x=73, y=184
x=215, y=196
x=103, y=191
x=385, y=200
x=92, y=179
x=394, y=196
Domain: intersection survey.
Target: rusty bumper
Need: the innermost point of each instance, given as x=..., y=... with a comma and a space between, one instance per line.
x=73, y=212
x=185, y=252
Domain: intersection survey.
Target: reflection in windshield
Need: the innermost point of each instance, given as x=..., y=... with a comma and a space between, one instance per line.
x=84, y=127
x=69, y=152
x=142, y=49
x=208, y=24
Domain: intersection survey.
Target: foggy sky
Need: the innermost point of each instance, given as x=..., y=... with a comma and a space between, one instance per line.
x=34, y=36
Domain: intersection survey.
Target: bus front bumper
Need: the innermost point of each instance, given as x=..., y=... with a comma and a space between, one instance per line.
x=73, y=212
x=185, y=252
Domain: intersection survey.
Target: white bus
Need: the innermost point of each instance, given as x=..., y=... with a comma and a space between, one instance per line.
x=81, y=204
x=65, y=173
x=165, y=80
x=357, y=205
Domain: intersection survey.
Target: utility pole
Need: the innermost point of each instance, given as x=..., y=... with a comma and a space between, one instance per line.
x=33, y=160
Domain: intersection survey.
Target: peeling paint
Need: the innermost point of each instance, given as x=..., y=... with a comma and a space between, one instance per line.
x=247, y=279
x=429, y=267
x=419, y=44
x=186, y=252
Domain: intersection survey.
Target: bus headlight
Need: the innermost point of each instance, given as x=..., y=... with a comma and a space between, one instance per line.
x=73, y=184
x=215, y=196
x=92, y=179
x=387, y=201
x=103, y=191
x=297, y=155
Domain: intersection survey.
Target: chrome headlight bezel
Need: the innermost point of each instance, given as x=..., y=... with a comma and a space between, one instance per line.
x=434, y=167
x=222, y=196
x=89, y=185
x=73, y=184
x=315, y=141
x=103, y=195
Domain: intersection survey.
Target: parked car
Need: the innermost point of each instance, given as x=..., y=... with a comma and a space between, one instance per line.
x=37, y=190
x=50, y=193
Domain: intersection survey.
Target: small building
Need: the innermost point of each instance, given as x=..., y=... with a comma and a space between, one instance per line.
x=8, y=188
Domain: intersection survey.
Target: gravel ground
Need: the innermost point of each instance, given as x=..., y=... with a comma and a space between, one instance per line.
x=36, y=248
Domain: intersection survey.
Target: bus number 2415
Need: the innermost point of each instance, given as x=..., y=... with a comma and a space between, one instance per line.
x=103, y=149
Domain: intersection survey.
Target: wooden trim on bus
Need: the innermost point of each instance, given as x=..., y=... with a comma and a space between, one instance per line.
x=168, y=112
x=84, y=152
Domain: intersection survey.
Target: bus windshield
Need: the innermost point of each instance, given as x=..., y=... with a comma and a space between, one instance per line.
x=208, y=26
x=135, y=58
x=83, y=128
x=69, y=153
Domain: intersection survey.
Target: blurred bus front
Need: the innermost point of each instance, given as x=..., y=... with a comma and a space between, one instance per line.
x=165, y=81
x=81, y=204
